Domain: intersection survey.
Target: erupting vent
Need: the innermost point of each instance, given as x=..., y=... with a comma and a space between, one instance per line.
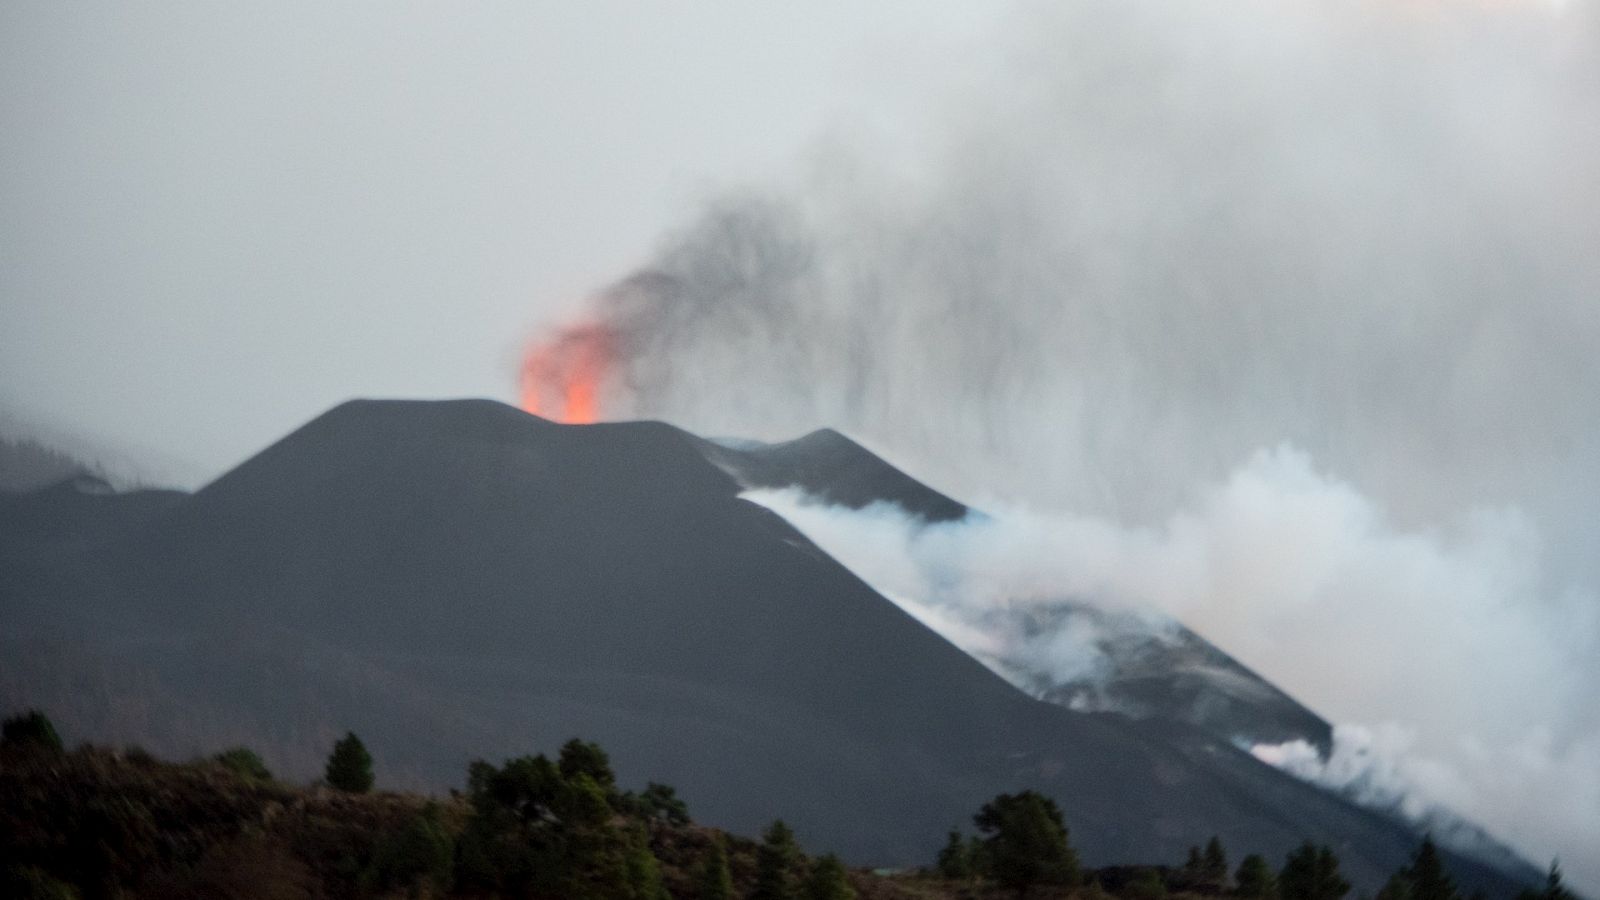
x=562, y=376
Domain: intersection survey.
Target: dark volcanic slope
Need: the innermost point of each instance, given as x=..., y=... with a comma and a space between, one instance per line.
x=457, y=579
x=833, y=468
x=1167, y=672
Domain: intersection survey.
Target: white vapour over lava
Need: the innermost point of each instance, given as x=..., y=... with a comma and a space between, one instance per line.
x=1435, y=639
x=1156, y=240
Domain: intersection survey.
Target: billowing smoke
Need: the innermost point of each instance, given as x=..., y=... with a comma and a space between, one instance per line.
x=1278, y=316
x=1464, y=692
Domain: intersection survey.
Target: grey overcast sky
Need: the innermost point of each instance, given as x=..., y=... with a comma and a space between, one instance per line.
x=217, y=220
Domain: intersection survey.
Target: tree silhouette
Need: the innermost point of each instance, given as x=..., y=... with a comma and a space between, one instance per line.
x=955, y=858
x=775, y=863
x=1026, y=842
x=1426, y=875
x=827, y=881
x=349, y=766
x=716, y=882
x=1312, y=873
x=31, y=731
x=1254, y=878
x=1214, y=867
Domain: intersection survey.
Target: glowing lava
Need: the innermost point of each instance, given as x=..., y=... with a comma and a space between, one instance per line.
x=562, y=377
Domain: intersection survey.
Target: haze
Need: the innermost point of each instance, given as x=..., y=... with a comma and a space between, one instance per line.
x=216, y=223
x=1278, y=316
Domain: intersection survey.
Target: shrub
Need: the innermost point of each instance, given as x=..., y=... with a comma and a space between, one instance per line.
x=421, y=852
x=244, y=762
x=30, y=731
x=827, y=881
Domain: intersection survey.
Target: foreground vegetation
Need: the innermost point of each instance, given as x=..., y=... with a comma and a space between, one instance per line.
x=104, y=823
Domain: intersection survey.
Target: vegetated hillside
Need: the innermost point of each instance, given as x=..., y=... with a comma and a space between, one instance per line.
x=102, y=822
x=461, y=578
x=121, y=823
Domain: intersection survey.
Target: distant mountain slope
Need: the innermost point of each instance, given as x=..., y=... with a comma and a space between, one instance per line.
x=27, y=465
x=460, y=577
x=833, y=468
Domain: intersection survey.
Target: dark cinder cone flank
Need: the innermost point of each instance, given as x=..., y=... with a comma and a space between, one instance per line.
x=459, y=579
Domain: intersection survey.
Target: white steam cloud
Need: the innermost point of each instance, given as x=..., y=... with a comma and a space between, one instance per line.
x=1465, y=686
x=1086, y=287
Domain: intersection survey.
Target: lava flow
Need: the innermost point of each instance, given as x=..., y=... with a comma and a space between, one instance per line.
x=562, y=377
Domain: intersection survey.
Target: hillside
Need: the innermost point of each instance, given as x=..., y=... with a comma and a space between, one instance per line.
x=107, y=822
x=459, y=578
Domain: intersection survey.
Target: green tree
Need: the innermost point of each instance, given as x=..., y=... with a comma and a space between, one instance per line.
x=1025, y=842
x=643, y=870
x=535, y=832
x=1147, y=885
x=420, y=854
x=1426, y=875
x=1311, y=873
x=955, y=858
x=30, y=731
x=1254, y=878
x=660, y=802
x=349, y=766
x=775, y=863
x=244, y=762
x=1214, y=867
x=586, y=758
x=828, y=881
x=716, y=882
x=1193, y=871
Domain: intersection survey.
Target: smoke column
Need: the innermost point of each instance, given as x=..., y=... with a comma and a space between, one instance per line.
x=1280, y=316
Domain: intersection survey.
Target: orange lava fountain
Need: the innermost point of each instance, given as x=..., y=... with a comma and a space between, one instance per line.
x=562, y=377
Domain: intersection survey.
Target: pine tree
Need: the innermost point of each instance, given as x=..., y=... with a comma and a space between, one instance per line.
x=1214, y=867
x=643, y=871
x=1553, y=889
x=1426, y=874
x=716, y=882
x=775, y=863
x=955, y=859
x=1312, y=873
x=349, y=766
x=1193, y=871
x=1255, y=879
x=827, y=881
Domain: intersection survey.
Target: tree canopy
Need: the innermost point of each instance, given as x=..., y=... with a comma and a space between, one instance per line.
x=349, y=766
x=1312, y=873
x=1025, y=842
